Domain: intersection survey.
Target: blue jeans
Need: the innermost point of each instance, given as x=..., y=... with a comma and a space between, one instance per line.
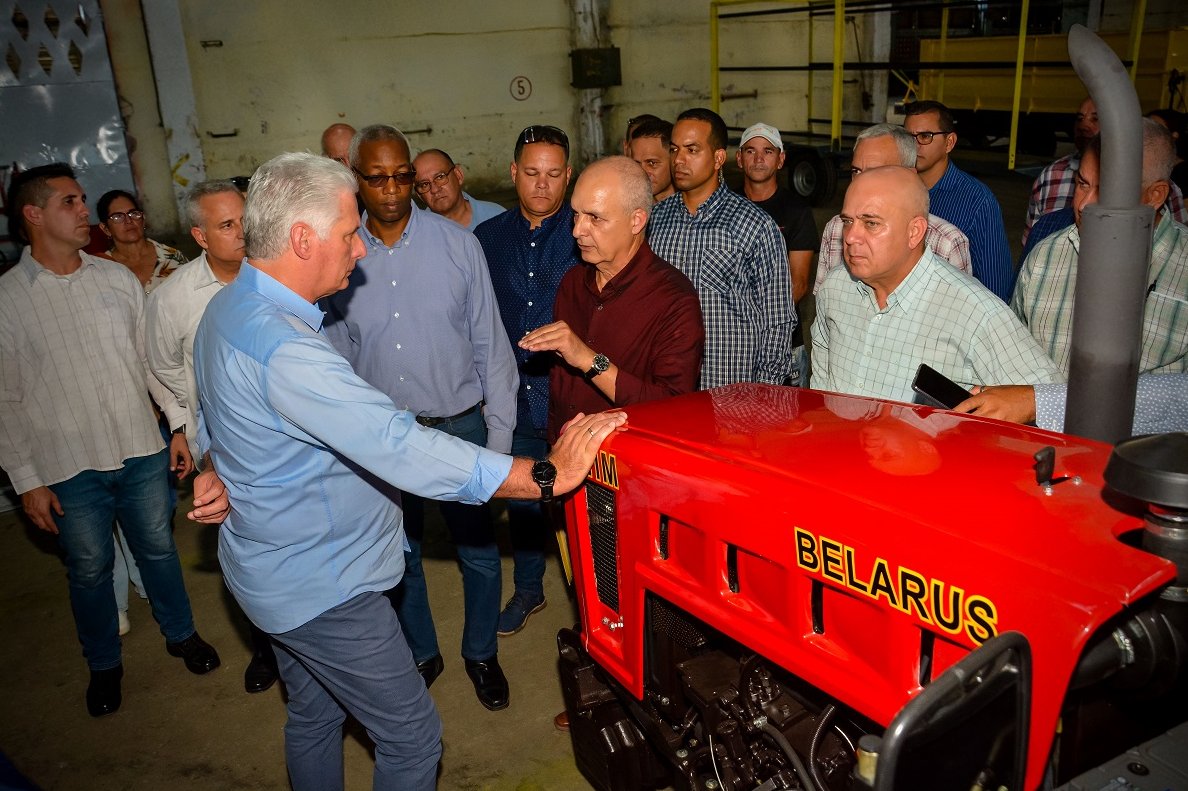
x=353, y=658
x=473, y=534
x=530, y=533
x=135, y=494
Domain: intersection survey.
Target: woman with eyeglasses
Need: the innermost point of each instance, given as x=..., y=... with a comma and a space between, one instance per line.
x=122, y=219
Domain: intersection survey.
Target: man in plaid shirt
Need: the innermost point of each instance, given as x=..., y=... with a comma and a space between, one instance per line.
x=1053, y=188
x=1045, y=292
x=734, y=254
x=897, y=305
x=875, y=147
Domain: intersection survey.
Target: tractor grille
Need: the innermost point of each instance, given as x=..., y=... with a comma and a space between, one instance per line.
x=676, y=625
x=604, y=543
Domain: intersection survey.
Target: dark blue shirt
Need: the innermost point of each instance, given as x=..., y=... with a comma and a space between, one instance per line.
x=970, y=205
x=1045, y=226
x=526, y=267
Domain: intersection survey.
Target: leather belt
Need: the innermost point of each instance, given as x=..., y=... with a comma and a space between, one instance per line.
x=431, y=422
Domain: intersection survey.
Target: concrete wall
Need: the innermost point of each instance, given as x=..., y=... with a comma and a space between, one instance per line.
x=269, y=75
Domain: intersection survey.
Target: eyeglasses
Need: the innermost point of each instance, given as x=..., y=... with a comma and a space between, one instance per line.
x=543, y=134
x=424, y=186
x=377, y=181
x=924, y=138
x=125, y=216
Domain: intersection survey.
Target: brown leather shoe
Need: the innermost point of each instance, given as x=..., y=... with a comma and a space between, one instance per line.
x=561, y=721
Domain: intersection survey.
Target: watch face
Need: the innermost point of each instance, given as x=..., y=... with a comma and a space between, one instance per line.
x=601, y=362
x=544, y=473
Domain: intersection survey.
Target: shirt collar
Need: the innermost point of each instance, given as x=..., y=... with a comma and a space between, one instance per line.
x=709, y=204
x=205, y=275
x=32, y=267
x=548, y=224
x=373, y=242
x=909, y=288
x=621, y=281
x=269, y=287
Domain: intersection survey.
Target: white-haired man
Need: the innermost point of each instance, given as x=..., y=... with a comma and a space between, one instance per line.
x=312, y=543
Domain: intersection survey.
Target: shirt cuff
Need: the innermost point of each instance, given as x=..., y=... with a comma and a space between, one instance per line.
x=24, y=478
x=490, y=471
x=499, y=441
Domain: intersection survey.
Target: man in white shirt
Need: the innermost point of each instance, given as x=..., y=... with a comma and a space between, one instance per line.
x=171, y=321
x=77, y=432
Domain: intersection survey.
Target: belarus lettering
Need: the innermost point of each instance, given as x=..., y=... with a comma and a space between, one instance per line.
x=932, y=601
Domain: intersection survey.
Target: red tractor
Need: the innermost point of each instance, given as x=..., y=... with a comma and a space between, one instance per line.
x=778, y=586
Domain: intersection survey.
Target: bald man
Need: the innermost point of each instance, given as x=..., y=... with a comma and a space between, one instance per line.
x=896, y=304
x=336, y=143
x=628, y=324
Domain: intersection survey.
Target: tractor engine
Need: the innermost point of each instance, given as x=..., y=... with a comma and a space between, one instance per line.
x=788, y=589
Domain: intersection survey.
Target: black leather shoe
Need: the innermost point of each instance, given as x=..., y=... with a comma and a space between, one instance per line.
x=430, y=669
x=489, y=682
x=199, y=656
x=103, y=693
x=259, y=675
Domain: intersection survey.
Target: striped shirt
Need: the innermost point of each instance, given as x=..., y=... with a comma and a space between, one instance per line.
x=735, y=256
x=74, y=384
x=942, y=238
x=936, y=316
x=970, y=205
x=1054, y=187
x=1044, y=297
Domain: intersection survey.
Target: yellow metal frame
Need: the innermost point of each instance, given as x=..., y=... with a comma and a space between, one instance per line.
x=839, y=60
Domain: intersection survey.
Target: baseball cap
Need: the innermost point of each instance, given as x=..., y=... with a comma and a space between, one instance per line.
x=766, y=131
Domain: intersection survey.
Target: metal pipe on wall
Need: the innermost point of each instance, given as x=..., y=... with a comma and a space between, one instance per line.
x=588, y=33
x=1114, y=256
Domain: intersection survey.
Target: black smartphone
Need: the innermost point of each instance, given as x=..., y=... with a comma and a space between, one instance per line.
x=936, y=389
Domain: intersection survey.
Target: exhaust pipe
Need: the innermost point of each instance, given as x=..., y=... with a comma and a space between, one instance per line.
x=1114, y=256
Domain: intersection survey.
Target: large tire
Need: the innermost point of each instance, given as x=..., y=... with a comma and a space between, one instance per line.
x=810, y=175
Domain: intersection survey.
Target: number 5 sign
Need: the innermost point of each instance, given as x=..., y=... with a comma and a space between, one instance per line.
x=520, y=88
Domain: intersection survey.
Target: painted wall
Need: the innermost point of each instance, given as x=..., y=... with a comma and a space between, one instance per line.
x=269, y=75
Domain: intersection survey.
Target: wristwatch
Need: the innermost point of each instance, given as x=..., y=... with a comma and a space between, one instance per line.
x=180, y=429
x=545, y=475
x=601, y=364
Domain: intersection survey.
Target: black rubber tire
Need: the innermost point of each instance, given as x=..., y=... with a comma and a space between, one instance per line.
x=810, y=175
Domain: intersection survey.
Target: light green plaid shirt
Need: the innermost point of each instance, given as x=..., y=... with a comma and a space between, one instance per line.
x=1043, y=297
x=937, y=316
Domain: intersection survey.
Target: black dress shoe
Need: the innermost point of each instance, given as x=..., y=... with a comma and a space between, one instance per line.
x=259, y=675
x=430, y=669
x=103, y=693
x=489, y=682
x=199, y=656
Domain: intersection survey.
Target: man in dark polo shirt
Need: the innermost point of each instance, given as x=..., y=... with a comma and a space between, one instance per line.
x=628, y=325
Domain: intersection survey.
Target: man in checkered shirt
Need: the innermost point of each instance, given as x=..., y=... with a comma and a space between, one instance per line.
x=876, y=146
x=1053, y=188
x=897, y=305
x=1046, y=288
x=734, y=254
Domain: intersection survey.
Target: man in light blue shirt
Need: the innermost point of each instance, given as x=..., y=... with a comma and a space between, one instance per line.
x=307, y=450
x=418, y=320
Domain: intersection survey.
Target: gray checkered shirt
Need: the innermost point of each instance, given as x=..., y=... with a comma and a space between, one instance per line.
x=734, y=254
x=937, y=316
x=1044, y=293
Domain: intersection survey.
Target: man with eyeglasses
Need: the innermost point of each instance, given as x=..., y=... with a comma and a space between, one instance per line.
x=958, y=197
x=77, y=433
x=734, y=254
x=418, y=320
x=1046, y=291
x=529, y=248
x=439, y=185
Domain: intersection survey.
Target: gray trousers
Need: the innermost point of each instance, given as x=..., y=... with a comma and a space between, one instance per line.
x=353, y=659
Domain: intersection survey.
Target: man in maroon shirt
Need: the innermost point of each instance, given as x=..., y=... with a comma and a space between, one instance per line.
x=628, y=325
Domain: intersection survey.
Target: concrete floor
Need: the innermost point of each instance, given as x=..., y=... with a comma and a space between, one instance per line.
x=181, y=732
